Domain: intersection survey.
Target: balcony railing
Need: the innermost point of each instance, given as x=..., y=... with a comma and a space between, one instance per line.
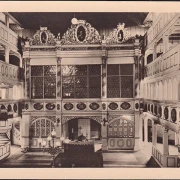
x=164, y=160
x=9, y=73
x=167, y=112
x=164, y=63
x=8, y=37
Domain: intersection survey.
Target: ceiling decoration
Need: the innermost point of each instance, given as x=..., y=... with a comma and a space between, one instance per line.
x=81, y=32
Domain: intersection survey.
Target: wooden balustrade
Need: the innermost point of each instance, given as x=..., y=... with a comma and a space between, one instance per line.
x=164, y=160
x=8, y=37
x=164, y=63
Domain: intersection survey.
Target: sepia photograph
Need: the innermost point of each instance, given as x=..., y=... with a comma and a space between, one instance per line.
x=89, y=89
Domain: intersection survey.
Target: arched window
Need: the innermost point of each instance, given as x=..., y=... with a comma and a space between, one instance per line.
x=41, y=127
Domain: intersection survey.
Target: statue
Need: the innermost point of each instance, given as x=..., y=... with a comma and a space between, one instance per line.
x=58, y=36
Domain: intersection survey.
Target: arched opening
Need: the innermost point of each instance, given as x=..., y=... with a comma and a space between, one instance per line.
x=80, y=128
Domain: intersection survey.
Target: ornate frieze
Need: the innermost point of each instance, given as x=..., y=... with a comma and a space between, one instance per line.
x=79, y=48
x=43, y=37
x=42, y=49
x=50, y=106
x=94, y=106
x=32, y=118
x=81, y=32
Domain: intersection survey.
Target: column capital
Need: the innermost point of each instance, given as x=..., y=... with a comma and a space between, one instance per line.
x=104, y=59
x=59, y=60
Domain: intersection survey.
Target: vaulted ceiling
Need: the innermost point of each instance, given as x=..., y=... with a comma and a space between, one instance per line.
x=61, y=21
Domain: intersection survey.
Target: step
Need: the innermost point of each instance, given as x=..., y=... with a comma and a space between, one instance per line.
x=122, y=166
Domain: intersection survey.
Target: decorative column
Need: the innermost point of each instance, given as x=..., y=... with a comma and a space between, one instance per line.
x=104, y=77
x=136, y=94
x=58, y=97
x=27, y=78
x=165, y=146
x=154, y=134
x=59, y=87
x=104, y=126
x=165, y=141
x=24, y=131
x=145, y=130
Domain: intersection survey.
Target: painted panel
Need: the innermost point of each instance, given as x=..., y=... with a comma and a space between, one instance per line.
x=84, y=127
x=120, y=143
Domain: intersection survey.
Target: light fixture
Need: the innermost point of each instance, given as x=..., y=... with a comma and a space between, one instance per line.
x=74, y=21
x=53, y=133
x=104, y=122
x=57, y=123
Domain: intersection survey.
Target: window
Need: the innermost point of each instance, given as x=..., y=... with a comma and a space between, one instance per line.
x=81, y=81
x=120, y=81
x=43, y=82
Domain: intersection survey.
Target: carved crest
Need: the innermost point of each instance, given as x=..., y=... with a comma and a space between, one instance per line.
x=81, y=33
x=118, y=35
x=43, y=37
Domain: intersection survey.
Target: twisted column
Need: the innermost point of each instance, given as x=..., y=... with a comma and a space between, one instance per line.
x=104, y=77
x=59, y=87
x=27, y=78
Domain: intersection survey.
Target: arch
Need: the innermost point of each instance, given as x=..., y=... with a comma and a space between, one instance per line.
x=41, y=127
x=67, y=118
x=123, y=118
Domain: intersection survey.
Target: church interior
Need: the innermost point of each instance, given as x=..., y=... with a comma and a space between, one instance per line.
x=89, y=89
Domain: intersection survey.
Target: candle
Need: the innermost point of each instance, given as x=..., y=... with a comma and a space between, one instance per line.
x=72, y=130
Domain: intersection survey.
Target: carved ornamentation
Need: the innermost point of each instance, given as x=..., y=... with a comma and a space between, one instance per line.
x=113, y=106
x=15, y=108
x=58, y=106
x=94, y=106
x=68, y=106
x=95, y=118
x=33, y=118
x=166, y=113
x=160, y=111
x=137, y=105
x=42, y=49
x=81, y=106
x=173, y=115
x=50, y=106
x=118, y=35
x=38, y=106
x=79, y=48
x=125, y=105
x=81, y=33
x=103, y=106
x=43, y=37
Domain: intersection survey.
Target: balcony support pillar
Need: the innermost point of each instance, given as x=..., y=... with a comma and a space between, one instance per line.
x=7, y=54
